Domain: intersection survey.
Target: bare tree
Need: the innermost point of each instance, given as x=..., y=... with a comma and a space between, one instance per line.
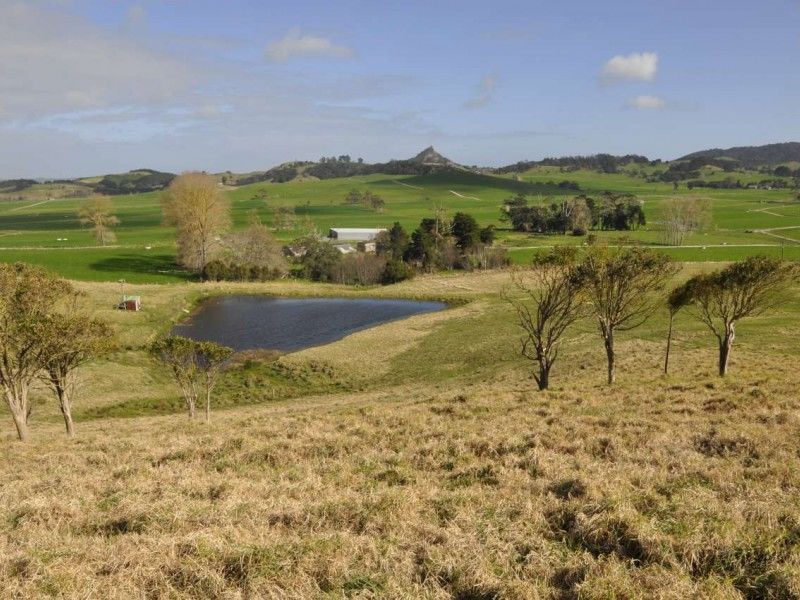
x=678, y=298
x=28, y=297
x=548, y=299
x=577, y=214
x=195, y=367
x=200, y=212
x=682, y=216
x=71, y=340
x=743, y=289
x=255, y=246
x=96, y=212
x=621, y=287
x=359, y=268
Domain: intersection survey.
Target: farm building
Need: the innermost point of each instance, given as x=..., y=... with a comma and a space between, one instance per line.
x=130, y=303
x=349, y=234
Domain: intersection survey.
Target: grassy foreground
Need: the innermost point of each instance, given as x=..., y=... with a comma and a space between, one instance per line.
x=414, y=460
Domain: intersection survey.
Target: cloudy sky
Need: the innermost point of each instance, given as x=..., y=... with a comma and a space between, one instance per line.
x=90, y=86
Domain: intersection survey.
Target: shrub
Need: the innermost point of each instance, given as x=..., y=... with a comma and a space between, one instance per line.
x=395, y=272
x=218, y=270
x=359, y=269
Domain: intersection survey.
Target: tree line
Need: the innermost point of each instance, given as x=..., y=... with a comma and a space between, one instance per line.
x=620, y=290
x=621, y=212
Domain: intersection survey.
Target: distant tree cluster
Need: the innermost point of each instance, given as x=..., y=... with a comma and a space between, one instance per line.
x=622, y=289
x=577, y=215
x=784, y=171
x=729, y=183
x=366, y=199
x=437, y=244
x=322, y=261
x=442, y=244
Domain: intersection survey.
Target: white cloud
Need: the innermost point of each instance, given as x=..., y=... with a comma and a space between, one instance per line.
x=52, y=62
x=647, y=102
x=633, y=67
x=296, y=44
x=484, y=94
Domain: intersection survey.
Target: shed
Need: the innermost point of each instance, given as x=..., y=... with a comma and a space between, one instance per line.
x=352, y=234
x=130, y=303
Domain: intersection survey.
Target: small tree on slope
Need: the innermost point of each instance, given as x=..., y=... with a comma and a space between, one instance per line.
x=678, y=298
x=743, y=289
x=71, y=340
x=621, y=288
x=195, y=367
x=28, y=298
x=548, y=299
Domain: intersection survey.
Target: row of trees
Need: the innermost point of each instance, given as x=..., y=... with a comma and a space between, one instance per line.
x=577, y=215
x=366, y=199
x=620, y=290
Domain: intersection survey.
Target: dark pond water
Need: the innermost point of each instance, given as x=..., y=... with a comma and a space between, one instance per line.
x=246, y=322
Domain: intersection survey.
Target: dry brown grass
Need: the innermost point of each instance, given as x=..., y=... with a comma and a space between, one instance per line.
x=679, y=487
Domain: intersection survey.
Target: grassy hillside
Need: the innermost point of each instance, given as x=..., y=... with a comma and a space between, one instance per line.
x=47, y=232
x=414, y=460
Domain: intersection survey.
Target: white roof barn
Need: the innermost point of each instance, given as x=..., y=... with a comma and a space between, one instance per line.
x=352, y=234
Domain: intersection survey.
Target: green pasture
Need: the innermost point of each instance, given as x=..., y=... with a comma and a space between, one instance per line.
x=47, y=232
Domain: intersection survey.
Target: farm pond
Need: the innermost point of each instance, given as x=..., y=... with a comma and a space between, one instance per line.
x=288, y=324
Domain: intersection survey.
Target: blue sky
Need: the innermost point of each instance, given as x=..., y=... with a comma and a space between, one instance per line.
x=89, y=87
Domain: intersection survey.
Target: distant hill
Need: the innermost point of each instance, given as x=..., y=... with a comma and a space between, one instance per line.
x=133, y=182
x=752, y=157
x=605, y=163
x=430, y=157
x=782, y=160
x=426, y=162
